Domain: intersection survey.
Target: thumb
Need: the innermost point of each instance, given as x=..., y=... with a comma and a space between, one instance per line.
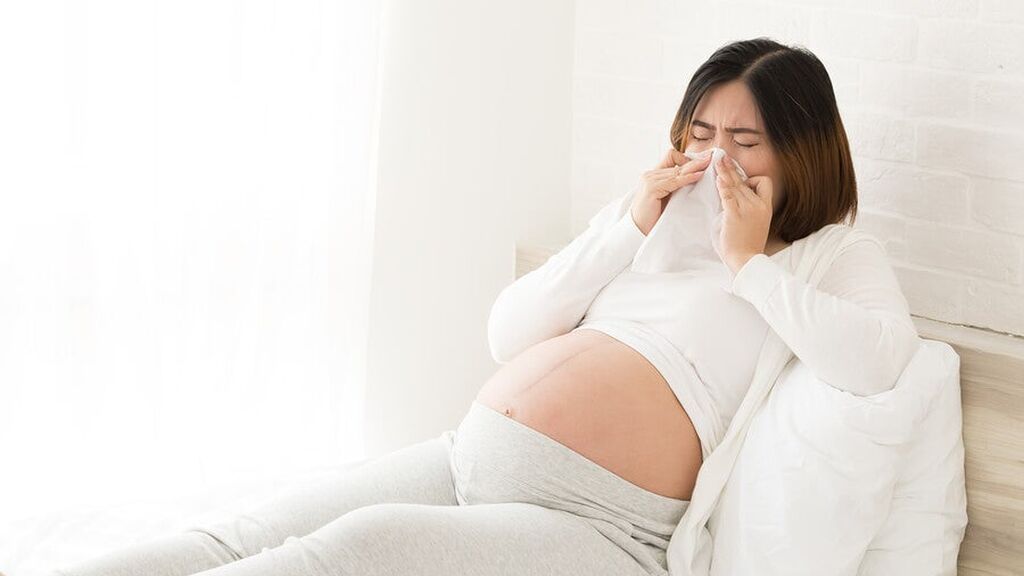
x=762, y=186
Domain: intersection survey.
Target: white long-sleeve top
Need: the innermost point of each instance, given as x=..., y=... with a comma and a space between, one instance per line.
x=703, y=329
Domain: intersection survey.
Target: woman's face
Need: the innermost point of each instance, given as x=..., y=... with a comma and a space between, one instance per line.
x=727, y=117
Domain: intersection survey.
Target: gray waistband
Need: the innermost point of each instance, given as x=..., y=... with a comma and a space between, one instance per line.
x=510, y=459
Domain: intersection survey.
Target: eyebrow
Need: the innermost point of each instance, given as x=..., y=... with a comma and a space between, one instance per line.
x=733, y=130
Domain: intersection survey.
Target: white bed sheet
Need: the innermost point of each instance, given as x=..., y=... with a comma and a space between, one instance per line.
x=32, y=545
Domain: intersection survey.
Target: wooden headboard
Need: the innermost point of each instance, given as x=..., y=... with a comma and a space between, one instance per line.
x=992, y=397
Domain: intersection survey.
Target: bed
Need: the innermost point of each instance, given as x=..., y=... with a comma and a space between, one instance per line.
x=57, y=537
x=992, y=384
x=992, y=396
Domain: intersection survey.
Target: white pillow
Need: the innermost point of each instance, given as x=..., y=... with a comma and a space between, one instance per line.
x=928, y=515
x=814, y=480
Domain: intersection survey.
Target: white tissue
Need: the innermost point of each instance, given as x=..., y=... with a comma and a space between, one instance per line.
x=686, y=236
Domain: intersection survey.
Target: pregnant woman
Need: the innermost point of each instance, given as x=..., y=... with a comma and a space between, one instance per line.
x=580, y=454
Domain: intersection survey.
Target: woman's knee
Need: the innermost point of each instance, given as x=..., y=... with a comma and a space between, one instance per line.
x=216, y=544
x=383, y=525
x=371, y=537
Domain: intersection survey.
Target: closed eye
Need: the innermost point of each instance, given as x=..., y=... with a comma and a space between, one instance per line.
x=744, y=145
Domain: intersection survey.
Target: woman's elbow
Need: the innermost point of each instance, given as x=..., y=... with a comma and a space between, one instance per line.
x=509, y=332
x=509, y=335
x=501, y=351
x=499, y=337
x=518, y=320
x=903, y=344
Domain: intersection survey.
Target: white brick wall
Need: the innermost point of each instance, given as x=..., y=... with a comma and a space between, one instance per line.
x=932, y=96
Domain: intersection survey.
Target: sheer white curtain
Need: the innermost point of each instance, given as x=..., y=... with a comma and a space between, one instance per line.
x=185, y=225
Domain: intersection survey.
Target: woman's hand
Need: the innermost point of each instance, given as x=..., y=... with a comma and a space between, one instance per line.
x=747, y=216
x=658, y=184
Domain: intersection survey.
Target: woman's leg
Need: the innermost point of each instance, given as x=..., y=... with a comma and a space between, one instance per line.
x=507, y=539
x=529, y=506
x=416, y=474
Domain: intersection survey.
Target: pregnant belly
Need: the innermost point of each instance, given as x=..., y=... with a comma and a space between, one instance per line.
x=604, y=400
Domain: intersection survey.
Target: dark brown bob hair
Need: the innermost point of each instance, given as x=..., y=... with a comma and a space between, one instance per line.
x=794, y=96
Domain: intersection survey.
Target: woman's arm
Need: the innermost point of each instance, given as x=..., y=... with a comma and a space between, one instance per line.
x=853, y=330
x=551, y=300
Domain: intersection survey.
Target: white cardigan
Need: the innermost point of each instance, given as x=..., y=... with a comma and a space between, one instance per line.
x=839, y=311
x=703, y=329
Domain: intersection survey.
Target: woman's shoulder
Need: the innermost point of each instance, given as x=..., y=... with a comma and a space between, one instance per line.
x=834, y=247
x=841, y=235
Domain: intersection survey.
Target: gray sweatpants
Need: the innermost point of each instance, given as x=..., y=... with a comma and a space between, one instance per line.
x=491, y=497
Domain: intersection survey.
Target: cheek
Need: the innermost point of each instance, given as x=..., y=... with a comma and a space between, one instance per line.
x=758, y=164
x=694, y=146
x=753, y=165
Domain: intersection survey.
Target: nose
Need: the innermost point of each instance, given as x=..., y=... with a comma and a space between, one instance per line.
x=725, y=143
x=717, y=152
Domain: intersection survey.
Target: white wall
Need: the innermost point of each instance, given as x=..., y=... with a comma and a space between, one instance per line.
x=517, y=121
x=474, y=154
x=931, y=96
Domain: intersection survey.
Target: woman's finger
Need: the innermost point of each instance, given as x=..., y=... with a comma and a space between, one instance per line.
x=672, y=158
x=698, y=163
x=737, y=187
x=665, y=172
x=675, y=182
x=762, y=186
x=675, y=172
x=730, y=204
x=747, y=193
x=727, y=171
x=725, y=192
x=693, y=165
x=728, y=190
